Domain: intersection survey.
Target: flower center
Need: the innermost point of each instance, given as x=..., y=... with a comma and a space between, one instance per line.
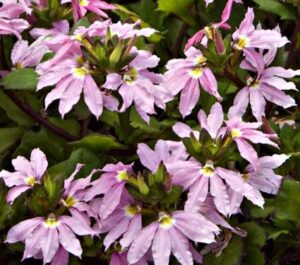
x=165, y=220
x=208, y=170
x=51, y=221
x=235, y=133
x=30, y=181
x=209, y=32
x=19, y=65
x=80, y=72
x=83, y=3
x=242, y=42
x=130, y=76
x=70, y=201
x=196, y=72
x=252, y=83
x=132, y=210
x=122, y=175
x=246, y=177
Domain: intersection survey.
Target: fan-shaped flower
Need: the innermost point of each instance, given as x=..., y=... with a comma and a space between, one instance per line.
x=111, y=184
x=186, y=75
x=171, y=233
x=139, y=86
x=44, y=237
x=268, y=84
x=27, y=174
x=246, y=36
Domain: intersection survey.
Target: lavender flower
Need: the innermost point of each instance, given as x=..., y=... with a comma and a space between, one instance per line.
x=27, y=174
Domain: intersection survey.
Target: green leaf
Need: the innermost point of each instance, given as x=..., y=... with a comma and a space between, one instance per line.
x=98, y=143
x=230, y=256
x=21, y=79
x=9, y=136
x=255, y=234
x=288, y=202
x=177, y=7
x=285, y=11
x=13, y=112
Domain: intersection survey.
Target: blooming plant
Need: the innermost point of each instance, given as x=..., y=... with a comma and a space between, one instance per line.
x=147, y=132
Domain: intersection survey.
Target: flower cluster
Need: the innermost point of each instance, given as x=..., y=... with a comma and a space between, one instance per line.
x=176, y=191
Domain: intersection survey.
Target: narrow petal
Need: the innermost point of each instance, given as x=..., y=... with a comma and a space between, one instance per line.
x=180, y=247
x=142, y=243
x=219, y=191
x=50, y=244
x=197, y=194
x=133, y=231
x=69, y=241
x=258, y=104
x=38, y=162
x=15, y=192
x=61, y=257
x=111, y=200
x=92, y=96
x=116, y=232
x=21, y=231
x=161, y=247
x=189, y=97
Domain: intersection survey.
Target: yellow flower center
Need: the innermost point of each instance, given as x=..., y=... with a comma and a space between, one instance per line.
x=235, y=133
x=70, y=201
x=132, y=210
x=83, y=3
x=253, y=83
x=122, y=175
x=196, y=72
x=242, y=42
x=30, y=181
x=208, y=170
x=130, y=76
x=51, y=222
x=209, y=32
x=19, y=65
x=80, y=72
x=165, y=220
x=246, y=177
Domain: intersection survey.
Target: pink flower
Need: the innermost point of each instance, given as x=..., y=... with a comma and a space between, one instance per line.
x=137, y=85
x=81, y=7
x=124, y=222
x=208, y=31
x=23, y=55
x=72, y=76
x=75, y=191
x=27, y=174
x=111, y=184
x=246, y=36
x=164, y=151
x=46, y=237
x=171, y=233
x=268, y=84
x=262, y=177
x=9, y=21
x=201, y=181
x=186, y=75
x=243, y=132
x=128, y=30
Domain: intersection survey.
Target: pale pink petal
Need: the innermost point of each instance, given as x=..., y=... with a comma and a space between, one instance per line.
x=180, y=247
x=258, y=104
x=49, y=244
x=21, y=231
x=69, y=241
x=219, y=191
x=142, y=243
x=15, y=192
x=161, y=247
x=61, y=257
x=133, y=231
x=38, y=162
x=116, y=232
x=92, y=96
x=197, y=194
x=189, y=97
